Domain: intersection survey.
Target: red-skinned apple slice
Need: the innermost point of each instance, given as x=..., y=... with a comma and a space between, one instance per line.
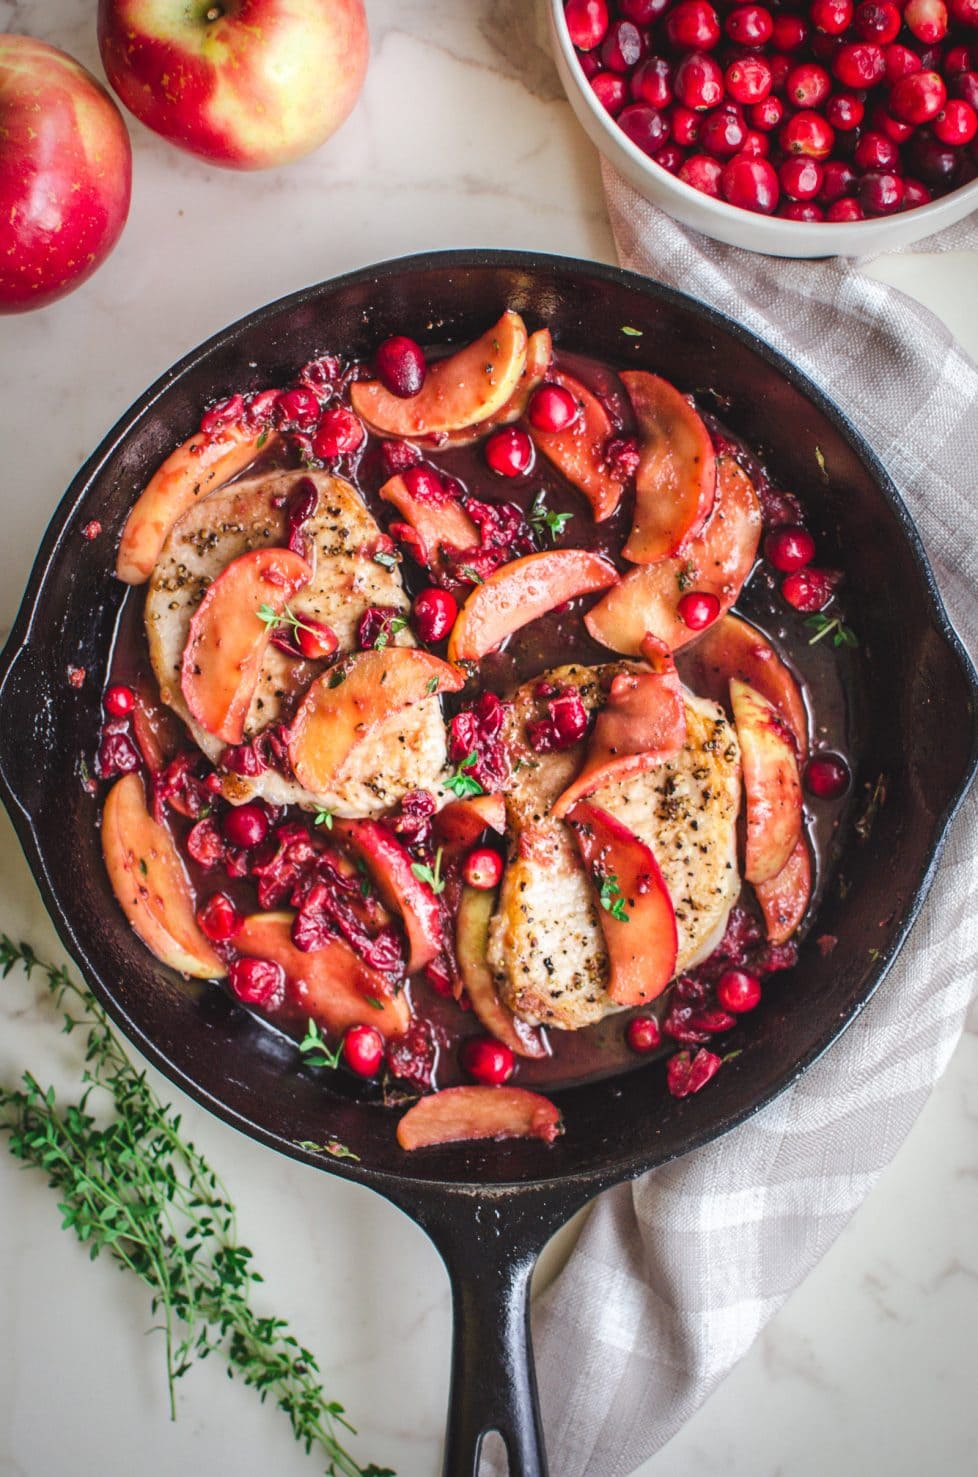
x=784, y=899
x=676, y=478
x=435, y=523
x=461, y=822
x=520, y=592
x=461, y=1113
x=771, y=782
x=539, y=353
x=227, y=640
x=732, y=648
x=196, y=468
x=333, y=985
x=642, y=724
x=389, y=865
x=155, y=728
x=344, y=704
x=717, y=562
x=463, y=390
x=475, y=911
x=149, y=881
x=642, y=941
x=578, y=451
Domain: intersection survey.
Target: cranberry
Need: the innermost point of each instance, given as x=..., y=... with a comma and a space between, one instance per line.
x=876, y=151
x=685, y=126
x=825, y=47
x=670, y=158
x=780, y=67
x=225, y=413
x=749, y=25
x=401, y=366
x=117, y=754
x=119, y=701
x=880, y=193
x=363, y=1050
x=900, y=61
x=587, y=22
x=964, y=11
x=891, y=128
x=483, y=868
x=934, y=162
x=927, y=19
x=808, y=85
x=93, y=528
x=831, y=17
x=958, y=59
x=877, y=20
x=642, y=12
x=697, y=610
x=738, y=991
x=859, y=64
x=844, y=210
x=338, y=433
x=398, y=456
x=845, y=111
x=245, y=825
x=914, y=194
x=800, y=178
x=751, y=184
x=611, y=91
x=509, y=452
x=788, y=32
x=766, y=115
x=703, y=173
x=652, y=82
x=487, y=1060
x=685, y=1075
x=748, y=81
x=826, y=776
x=699, y=82
x=693, y=25
x=722, y=134
x=807, y=133
x=433, y=614
x=965, y=86
x=755, y=145
x=808, y=589
x=623, y=47
x=315, y=639
x=918, y=98
x=642, y=1032
x=296, y=409
x=257, y=981
x=801, y=210
x=219, y=919
x=552, y=408
x=957, y=123
x=645, y=126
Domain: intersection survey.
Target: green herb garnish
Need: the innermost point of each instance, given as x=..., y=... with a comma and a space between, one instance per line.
x=462, y=784
x=543, y=521
x=466, y=572
x=433, y=877
x=687, y=576
x=324, y=818
x=388, y=629
x=387, y=560
x=261, y=439
x=274, y=621
x=610, y=895
x=431, y=685
x=315, y=1051
x=626, y=328
x=330, y=1146
x=824, y=626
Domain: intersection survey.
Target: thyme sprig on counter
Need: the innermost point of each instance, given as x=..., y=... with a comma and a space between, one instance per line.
x=133, y=1186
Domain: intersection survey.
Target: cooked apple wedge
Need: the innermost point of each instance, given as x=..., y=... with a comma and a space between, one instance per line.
x=460, y=823
x=732, y=648
x=332, y=985
x=460, y=1113
x=578, y=452
x=642, y=724
x=196, y=468
x=227, y=640
x=520, y=592
x=344, y=704
x=784, y=899
x=637, y=916
x=676, y=478
x=716, y=561
x=155, y=728
x=435, y=522
x=539, y=354
x=149, y=881
x=771, y=781
x=475, y=911
x=389, y=865
x=463, y=390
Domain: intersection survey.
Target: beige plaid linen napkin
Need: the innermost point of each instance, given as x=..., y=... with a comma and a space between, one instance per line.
x=675, y=1275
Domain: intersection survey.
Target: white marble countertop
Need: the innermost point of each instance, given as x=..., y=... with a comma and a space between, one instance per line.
x=461, y=139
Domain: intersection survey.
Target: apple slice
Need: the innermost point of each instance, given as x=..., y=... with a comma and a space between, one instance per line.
x=520, y=592
x=475, y=912
x=226, y=644
x=461, y=822
x=148, y=878
x=463, y=390
x=333, y=985
x=771, y=782
x=578, y=452
x=389, y=865
x=676, y=478
x=732, y=648
x=345, y=703
x=637, y=916
x=539, y=354
x=784, y=899
x=717, y=562
x=435, y=523
x=460, y=1113
x=642, y=724
x=156, y=729
x=202, y=463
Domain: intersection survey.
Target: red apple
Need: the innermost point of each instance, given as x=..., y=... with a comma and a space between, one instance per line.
x=520, y=592
x=475, y=912
x=676, y=480
x=771, y=780
x=249, y=84
x=578, y=450
x=389, y=865
x=784, y=898
x=65, y=174
x=459, y=1113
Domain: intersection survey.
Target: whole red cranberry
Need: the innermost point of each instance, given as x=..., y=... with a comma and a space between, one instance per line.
x=245, y=825
x=914, y=194
x=433, y=614
x=748, y=80
x=789, y=547
x=257, y=981
x=838, y=179
x=877, y=20
x=958, y=59
x=845, y=111
x=918, y=98
x=766, y=115
x=698, y=609
x=738, y=991
x=808, y=589
x=749, y=25
x=825, y=47
x=509, y=452
x=751, y=184
x=876, y=151
x=685, y=126
x=611, y=91
x=807, y=133
x=801, y=210
x=401, y=366
x=363, y=1050
x=900, y=61
x=487, y=1060
x=119, y=700
x=800, y=178
x=645, y=126
x=670, y=158
x=693, y=25
x=780, y=67
x=845, y=210
x=642, y=12
x=699, y=82
x=880, y=193
x=482, y=868
x=964, y=11
x=826, y=776
x=315, y=639
x=623, y=47
x=957, y=123
x=722, y=134
x=755, y=145
x=831, y=17
x=964, y=85
x=926, y=19
x=859, y=64
x=642, y=1033
x=219, y=919
x=808, y=85
x=788, y=32
x=934, y=162
x=552, y=408
x=339, y=432
x=703, y=173
x=587, y=22
x=651, y=82
x=892, y=128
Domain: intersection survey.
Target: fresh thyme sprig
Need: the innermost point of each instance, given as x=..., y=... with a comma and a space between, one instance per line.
x=315, y=1050
x=432, y=876
x=824, y=626
x=462, y=784
x=610, y=896
x=388, y=629
x=542, y=520
x=133, y=1186
x=273, y=620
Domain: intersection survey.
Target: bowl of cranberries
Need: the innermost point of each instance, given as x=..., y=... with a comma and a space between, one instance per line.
x=816, y=128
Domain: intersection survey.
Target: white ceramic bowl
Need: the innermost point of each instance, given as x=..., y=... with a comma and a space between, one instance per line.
x=764, y=233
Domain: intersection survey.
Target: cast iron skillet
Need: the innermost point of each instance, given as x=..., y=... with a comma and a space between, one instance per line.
x=489, y=1208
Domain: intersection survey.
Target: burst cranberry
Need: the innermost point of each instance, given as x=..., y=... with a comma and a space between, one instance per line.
x=245, y=825
x=257, y=981
x=926, y=19
x=766, y=115
x=699, y=82
x=685, y=126
x=831, y=17
x=645, y=126
x=652, y=82
x=692, y=25
x=843, y=211
x=487, y=1060
x=117, y=754
x=808, y=589
x=826, y=776
x=339, y=432
x=686, y=1074
x=859, y=64
x=483, y=868
x=877, y=20
x=957, y=123
x=722, y=134
x=219, y=919
x=703, y=173
x=296, y=409
x=552, y=408
x=738, y=991
x=918, y=98
x=623, y=47
x=611, y=91
x=748, y=81
x=225, y=413
x=401, y=366
x=697, y=610
x=375, y=628
x=398, y=456
x=808, y=85
x=752, y=184
x=914, y=194
x=807, y=133
x=363, y=1050
x=789, y=548
x=119, y=701
x=205, y=844
x=800, y=178
x=509, y=452
x=433, y=613
x=642, y=1033
x=788, y=32
x=587, y=22
x=880, y=193
x=749, y=25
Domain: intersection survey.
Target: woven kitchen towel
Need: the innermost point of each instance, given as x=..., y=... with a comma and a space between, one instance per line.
x=674, y=1276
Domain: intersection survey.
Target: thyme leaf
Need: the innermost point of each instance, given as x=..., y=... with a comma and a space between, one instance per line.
x=627, y=329
x=543, y=521
x=388, y=629
x=432, y=876
x=389, y=561
x=462, y=784
x=315, y=1050
x=610, y=895
x=824, y=626
x=324, y=818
